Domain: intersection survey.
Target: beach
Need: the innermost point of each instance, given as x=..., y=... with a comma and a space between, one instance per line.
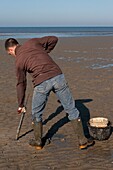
x=87, y=63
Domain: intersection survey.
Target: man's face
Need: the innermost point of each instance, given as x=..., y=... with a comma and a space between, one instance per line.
x=11, y=51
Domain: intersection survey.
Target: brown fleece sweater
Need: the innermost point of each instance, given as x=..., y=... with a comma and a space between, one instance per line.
x=32, y=57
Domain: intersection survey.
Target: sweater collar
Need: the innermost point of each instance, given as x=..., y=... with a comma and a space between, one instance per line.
x=16, y=50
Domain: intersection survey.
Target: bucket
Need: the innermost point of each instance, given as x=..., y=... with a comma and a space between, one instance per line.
x=99, y=128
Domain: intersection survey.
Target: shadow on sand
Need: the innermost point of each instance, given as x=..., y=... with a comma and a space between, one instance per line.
x=84, y=114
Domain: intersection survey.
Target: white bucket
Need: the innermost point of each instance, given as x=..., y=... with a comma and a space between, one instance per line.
x=98, y=122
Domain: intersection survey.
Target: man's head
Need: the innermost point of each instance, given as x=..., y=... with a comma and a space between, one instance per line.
x=10, y=46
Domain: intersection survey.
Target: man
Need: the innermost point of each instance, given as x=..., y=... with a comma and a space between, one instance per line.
x=33, y=57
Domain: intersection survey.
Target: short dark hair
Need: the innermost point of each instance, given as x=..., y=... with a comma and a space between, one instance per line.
x=10, y=42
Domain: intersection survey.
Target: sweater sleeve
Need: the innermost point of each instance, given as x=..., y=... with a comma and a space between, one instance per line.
x=21, y=86
x=48, y=42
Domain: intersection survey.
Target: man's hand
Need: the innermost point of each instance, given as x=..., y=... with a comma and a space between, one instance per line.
x=21, y=110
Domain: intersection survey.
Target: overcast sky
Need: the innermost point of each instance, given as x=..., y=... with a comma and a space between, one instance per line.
x=56, y=12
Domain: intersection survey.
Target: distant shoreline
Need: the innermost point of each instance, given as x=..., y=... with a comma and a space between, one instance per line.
x=65, y=32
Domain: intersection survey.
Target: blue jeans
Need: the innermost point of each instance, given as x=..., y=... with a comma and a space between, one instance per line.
x=41, y=92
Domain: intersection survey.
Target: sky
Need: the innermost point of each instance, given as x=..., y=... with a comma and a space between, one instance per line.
x=56, y=13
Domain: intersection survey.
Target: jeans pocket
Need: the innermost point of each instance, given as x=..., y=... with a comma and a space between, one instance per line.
x=60, y=82
x=41, y=87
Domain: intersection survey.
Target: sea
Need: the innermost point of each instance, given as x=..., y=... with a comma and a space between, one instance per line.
x=31, y=32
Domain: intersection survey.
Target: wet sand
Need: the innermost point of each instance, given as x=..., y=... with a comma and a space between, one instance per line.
x=87, y=65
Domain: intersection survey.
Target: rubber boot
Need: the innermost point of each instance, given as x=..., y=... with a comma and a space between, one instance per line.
x=78, y=128
x=37, y=142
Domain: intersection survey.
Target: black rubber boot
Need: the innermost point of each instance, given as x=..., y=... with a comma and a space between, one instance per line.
x=78, y=128
x=37, y=142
